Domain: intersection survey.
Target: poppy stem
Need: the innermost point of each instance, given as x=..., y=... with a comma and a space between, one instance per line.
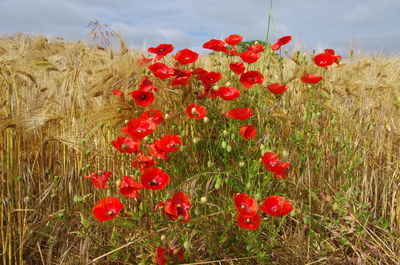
x=269, y=19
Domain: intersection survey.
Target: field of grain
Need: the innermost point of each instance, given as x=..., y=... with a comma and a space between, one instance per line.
x=58, y=116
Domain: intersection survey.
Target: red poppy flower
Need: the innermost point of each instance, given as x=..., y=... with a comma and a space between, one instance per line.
x=233, y=39
x=119, y=93
x=181, y=77
x=272, y=163
x=249, y=56
x=129, y=187
x=256, y=48
x=210, y=78
x=310, y=79
x=154, y=179
x=161, y=50
x=331, y=52
x=249, y=222
x=196, y=111
x=100, y=178
x=281, y=41
x=126, y=145
x=228, y=93
x=246, y=205
x=280, y=170
x=250, y=78
x=145, y=82
x=248, y=131
x=237, y=68
x=215, y=45
x=143, y=98
x=160, y=257
x=153, y=115
x=276, y=206
x=186, y=56
x=200, y=73
x=143, y=163
x=169, y=143
x=276, y=88
x=324, y=60
x=146, y=85
x=240, y=113
x=161, y=70
x=231, y=52
x=138, y=128
x=269, y=160
x=143, y=61
x=177, y=206
x=156, y=152
x=107, y=209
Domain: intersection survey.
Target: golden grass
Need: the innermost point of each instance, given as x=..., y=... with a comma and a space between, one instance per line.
x=343, y=140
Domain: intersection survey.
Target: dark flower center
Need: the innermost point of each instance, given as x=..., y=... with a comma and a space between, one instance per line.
x=143, y=97
x=153, y=183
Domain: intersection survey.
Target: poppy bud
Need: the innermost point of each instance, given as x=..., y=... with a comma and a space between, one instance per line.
x=166, y=116
x=119, y=110
x=108, y=193
x=83, y=142
x=241, y=164
x=146, y=138
x=223, y=144
x=19, y=178
x=215, y=88
x=228, y=83
x=163, y=237
x=100, y=125
x=286, y=51
x=203, y=199
x=233, y=136
x=206, y=119
x=118, y=182
x=210, y=163
x=248, y=185
x=225, y=132
x=193, y=111
x=195, y=140
x=229, y=148
x=217, y=185
x=126, y=121
x=56, y=178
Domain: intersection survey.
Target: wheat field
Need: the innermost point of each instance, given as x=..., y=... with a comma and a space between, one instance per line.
x=58, y=116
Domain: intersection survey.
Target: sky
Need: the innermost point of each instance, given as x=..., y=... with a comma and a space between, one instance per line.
x=368, y=25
